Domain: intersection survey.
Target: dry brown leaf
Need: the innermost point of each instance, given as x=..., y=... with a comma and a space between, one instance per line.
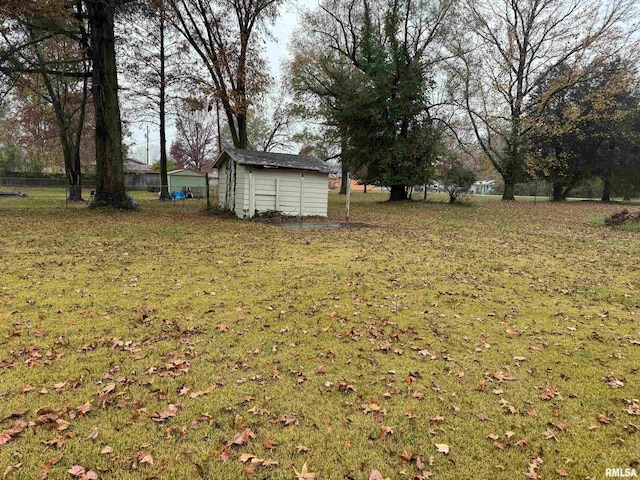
x=243, y=436
x=93, y=434
x=144, y=456
x=269, y=444
x=304, y=474
x=376, y=475
x=386, y=431
x=288, y=419
x=245, y=457
x=605, y=419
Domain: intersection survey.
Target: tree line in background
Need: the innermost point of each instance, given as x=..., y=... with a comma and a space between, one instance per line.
x=401, y=92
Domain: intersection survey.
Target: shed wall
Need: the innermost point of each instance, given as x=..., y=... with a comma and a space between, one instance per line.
x=197, y=183
x=284, y=191
x=280, y=190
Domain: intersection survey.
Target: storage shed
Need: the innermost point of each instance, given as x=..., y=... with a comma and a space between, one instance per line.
x=181, y=180
x=256, y=182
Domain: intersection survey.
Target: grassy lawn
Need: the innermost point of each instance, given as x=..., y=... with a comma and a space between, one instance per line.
x=486, y=340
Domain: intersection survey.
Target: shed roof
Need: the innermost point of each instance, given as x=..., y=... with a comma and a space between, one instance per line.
x=133, y=165
x=274, y=160
x=185, y=172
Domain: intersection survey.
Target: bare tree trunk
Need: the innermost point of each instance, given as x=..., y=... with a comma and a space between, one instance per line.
x=110, y=188
x=398, y=193
x=75, y=192
x=243, y=139
x=344, y=181
x=606, y=191
x=164, y=178
x=509, y=189
x=345, y=170
x=558, y=192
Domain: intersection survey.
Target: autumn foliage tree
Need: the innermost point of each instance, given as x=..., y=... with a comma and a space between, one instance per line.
x=508, y=45
x=225, y=37
x=92, y=24
x=590, y=129
x=44, y=51
x=196, y=144
x=154, y=65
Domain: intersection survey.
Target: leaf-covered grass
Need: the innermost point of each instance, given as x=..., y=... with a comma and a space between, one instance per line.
x=164, y=343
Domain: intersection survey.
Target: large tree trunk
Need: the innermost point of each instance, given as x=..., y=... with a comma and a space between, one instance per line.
x=164, y=178
x=345, y=169
x=606, y=191
x=344, y=180
x=398, y=193
x=75, y=178
x=509, y=189
x=558, y=192
x=110, y=188
x=243, y=139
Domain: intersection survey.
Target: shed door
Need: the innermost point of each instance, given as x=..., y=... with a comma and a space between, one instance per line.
x=265, y=189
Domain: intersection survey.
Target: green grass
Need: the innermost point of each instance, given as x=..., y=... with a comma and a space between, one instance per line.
x=417, y=321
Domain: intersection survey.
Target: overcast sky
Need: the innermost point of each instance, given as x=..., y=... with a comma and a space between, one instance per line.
x=276, y=53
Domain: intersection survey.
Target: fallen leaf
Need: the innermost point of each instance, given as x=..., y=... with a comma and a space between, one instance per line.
x=243, y=436
x=76, y=471
x=406, y=456
x=634, y=409
x=269, y=444
x=549, y=393
x=442, y=448
x=613, y=382
x=145, y=456
x=93, y=434
x=605, y=419
x=245, y=457
x=376, y=475
x=385, y=431
x=304, y=474
x=287, y=420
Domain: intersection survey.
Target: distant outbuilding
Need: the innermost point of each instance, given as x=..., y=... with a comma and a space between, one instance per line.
x=256, y=182
x=185, y=181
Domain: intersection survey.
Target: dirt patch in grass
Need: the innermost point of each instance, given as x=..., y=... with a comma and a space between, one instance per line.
x=495, y=342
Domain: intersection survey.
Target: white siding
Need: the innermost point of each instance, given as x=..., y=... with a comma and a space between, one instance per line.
x=222, y=185
x=242, y=192
x=293, y=186
x=316, y=194
x=279, y=190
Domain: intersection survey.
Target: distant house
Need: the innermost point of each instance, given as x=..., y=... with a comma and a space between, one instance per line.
x=335, y=183
x=140, y=175
x=482, y=187
x=256, y=182
x=184, y=180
